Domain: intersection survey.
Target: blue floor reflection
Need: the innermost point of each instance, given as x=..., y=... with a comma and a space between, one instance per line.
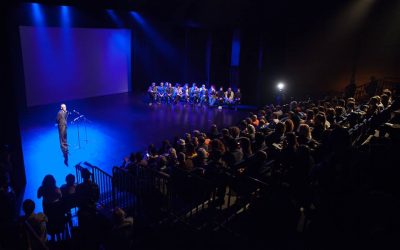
x=118, y=124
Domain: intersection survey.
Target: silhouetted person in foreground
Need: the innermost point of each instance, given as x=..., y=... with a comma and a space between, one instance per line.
x=87, y=196
x=68, y=191
x=33, y=232
x=121, y=236
x=350, y=89
x=52, y=206
x=372, y=86
x=7, y=212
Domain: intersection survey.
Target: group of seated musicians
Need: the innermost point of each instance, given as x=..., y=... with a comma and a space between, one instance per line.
x=166, y=93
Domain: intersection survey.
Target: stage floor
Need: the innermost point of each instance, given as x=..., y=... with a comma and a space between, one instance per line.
x=116, y=125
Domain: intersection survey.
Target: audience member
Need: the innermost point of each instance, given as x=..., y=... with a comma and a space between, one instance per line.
x=308, y=168
x=52, y=206
x=121, y=236
x=8, y=214
x=32, y=227
x=87, y=195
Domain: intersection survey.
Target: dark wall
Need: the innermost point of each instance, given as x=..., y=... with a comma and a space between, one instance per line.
x=155, y=59
x=9, y=76
x=327, y=43
x=316, y=47
x=181, y=54
x=220, y=57
x=195, y=65
x=176, y=54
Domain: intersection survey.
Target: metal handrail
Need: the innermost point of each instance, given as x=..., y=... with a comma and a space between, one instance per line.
x=102, y=179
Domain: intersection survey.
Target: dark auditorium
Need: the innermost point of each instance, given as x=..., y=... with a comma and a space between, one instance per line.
x=199, y=124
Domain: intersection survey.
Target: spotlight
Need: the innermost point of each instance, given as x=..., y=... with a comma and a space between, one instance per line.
x=280, y=86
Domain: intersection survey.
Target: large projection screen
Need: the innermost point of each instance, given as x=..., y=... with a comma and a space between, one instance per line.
x=73, y=63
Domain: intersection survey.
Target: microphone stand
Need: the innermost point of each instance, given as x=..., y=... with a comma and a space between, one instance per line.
x=78, y=120
x=84, y=124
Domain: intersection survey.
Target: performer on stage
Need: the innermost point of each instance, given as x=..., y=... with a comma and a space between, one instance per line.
x=220, y=96
x=229, y=95
x=238, y=97
x=195, y=95
x=212, y=95
x=203, y=95
x=62, y=117
x=161, y=92
x=186, y=93
x=152, y=91
x=178, y=94
x=169, y=91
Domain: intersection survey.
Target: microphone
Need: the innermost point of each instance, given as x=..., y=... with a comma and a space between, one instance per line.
x=78, y=118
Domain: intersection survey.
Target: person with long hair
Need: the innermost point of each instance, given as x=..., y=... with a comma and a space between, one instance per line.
x=49, y=192
x=52, y=206
x=305, y=136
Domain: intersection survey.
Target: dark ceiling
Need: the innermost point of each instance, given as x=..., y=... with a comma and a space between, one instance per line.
x=216, y=13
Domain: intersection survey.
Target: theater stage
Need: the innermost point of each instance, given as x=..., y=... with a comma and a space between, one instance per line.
x=115, y=126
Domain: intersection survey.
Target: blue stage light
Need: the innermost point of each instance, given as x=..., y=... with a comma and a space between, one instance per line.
x=137, y=17
x=65, y=16
x=37, y=14
x=235, y=54
x=155, y=37
x=115, y=18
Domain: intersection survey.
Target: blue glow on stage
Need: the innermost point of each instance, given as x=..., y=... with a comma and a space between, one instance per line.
x=115, y=18
x=68, y=49
x=66, y=63
x=42, y=153
x=37, y=14
x=65, y=16
x=119, y=124
x=235, y=55
x=120, y=42
x=138, y=18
